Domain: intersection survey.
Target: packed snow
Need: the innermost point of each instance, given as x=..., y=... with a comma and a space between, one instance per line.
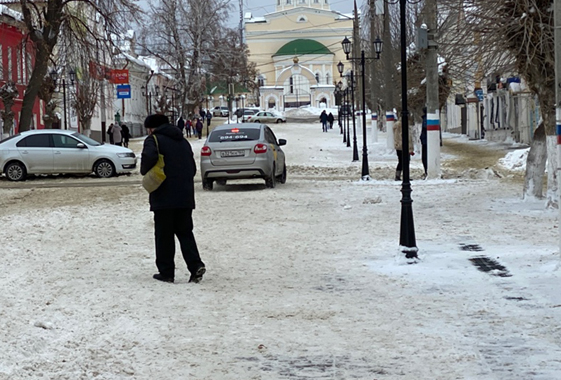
x=304, y=281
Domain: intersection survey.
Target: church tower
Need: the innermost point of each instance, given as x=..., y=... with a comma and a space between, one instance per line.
x=283, y=5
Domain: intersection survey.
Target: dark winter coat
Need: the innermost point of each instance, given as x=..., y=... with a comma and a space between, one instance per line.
x=323, y=117
x=330, y=118
x=199, y=126
x=181, y=123
x=177, y=191
x=423, y=136
x=125, y=132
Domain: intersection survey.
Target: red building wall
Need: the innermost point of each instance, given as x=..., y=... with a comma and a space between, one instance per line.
x=17, y=60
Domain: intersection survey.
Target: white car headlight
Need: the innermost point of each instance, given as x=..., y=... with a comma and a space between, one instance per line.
x=125, y=155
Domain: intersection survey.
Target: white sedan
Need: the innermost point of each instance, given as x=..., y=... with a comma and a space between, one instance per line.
x=268, y=117
x=55, y=151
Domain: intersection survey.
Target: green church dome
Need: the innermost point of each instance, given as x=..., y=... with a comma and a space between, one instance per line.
x=302, y=47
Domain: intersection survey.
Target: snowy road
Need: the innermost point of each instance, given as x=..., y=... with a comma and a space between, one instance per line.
x=304, y=281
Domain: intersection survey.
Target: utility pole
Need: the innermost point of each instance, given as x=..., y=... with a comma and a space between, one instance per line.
x=433, y=111
x=557, y=42
x=373, y=75
x=389, y=80
x=356, y=50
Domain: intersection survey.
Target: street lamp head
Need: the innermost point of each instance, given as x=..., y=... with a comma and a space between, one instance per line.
x=378, y=47
x=72, y=74
x=340, y=68
x=346, y=46
x=54, y=75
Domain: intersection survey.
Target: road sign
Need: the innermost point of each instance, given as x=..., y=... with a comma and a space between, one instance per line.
x=124, y=91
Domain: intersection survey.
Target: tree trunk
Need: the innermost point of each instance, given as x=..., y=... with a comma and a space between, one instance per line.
x=535, y=164
x=552, y=186
x=33, y=87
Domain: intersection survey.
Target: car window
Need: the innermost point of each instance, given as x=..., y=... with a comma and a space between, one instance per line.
x=65, y=141
x=86, y=139
x=36, y=141
x=234, y=134
x=270, y=136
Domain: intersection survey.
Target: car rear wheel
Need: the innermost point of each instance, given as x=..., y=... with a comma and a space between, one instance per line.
x=15, y=171
x=282, y=177
x=256, y=121
x=207, y=184
x=104, y=169
x=271, y=181
x=279, y=120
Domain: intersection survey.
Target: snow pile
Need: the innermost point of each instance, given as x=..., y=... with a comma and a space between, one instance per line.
x=515, y=160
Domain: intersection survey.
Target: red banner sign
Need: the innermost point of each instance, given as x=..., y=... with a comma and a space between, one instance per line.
x=120, y=76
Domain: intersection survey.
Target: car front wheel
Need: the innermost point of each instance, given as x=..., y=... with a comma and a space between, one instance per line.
x=104, y=169
x=278, y=121
x=15, y=171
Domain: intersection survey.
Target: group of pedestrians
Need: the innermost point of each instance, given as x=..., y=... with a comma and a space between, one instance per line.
x=326, y=120
x=119, y=135
x=194, y=124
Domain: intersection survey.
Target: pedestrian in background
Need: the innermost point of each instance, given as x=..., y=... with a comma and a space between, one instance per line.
x=174, y=201
x=110, y=134
x=188, y=127
x=199, y=128
x=423, y=139
x=208, y=119
x=125, y=132
x=323, y=120
x=397, y=141
x=181, y=124
x=117, y=136
x=330, y=120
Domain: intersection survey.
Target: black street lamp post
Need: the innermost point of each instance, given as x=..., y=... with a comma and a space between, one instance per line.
x=350, y=82
x=407, y=230
x=347, y=46
x=54, y=77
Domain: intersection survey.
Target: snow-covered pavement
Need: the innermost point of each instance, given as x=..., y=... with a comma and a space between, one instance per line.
x=304, y=281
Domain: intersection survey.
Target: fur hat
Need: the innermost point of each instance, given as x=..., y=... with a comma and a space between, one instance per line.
x=155, y=120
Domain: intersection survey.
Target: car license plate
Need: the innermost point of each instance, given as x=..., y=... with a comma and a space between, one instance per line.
x=232, y=153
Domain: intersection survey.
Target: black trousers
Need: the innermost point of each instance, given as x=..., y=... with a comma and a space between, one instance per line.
x=399, y=160
x=167, y=225
x=424, y=156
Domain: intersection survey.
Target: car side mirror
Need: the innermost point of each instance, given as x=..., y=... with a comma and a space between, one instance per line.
x=282, y=142
x=80, y=145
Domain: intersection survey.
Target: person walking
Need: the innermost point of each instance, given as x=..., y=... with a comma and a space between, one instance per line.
x=174, y=201
x=323, y=119
x=181, y=124
x=110, y=134
x=188, y=127
x=208, y=120
x=117, y=136
x=202, y=113
x=423, y=138
x=330, y=120
x=125, y=132
x=199, y=128
x=398, y=145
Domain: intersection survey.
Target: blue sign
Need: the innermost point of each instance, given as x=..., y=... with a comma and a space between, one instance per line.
x=124, y=91
x=479, y=93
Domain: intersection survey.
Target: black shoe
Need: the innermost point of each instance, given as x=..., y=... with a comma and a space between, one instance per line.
x=198, y=276
x=159, y=277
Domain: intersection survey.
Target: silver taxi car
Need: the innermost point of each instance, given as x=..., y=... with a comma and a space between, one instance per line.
x=55, y=151
x=242, y=151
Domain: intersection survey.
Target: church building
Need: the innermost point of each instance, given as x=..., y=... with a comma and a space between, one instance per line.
x=296, y=50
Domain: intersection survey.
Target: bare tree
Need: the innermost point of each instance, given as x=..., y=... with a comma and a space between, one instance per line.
x=46, y=95
x=46, y=20
x=181, y=33
x=8, y=95
x=493, y=36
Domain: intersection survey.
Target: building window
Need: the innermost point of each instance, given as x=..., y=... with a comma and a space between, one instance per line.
x=18, y=67
x=326, y=1
x=302, y=1
x=10, y=64
x=302, y=19
x=291, y=85
x=278, y=3
x=1, y=64
x=29, y=64
x=316, y=1
x=317, y=77
x=289, y=1
x=327, y=78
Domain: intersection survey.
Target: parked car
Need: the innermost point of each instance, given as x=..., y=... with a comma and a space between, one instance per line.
x=247, y=114
x=220, y=111
x=242, y=151
x=55, y=151
x=268, y=117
